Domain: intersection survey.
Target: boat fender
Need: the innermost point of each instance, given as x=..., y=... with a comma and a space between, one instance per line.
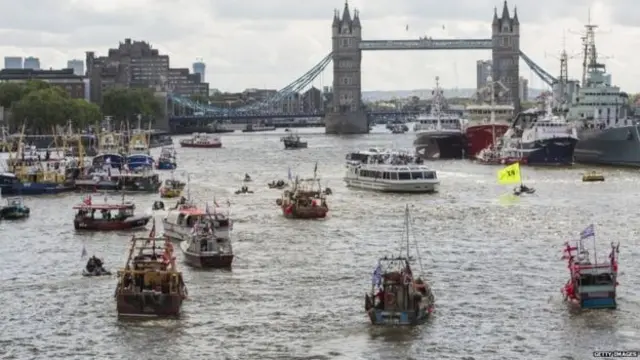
x=389, y=299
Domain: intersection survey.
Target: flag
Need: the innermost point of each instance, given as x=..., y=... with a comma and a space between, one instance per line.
x=510, y=175
x=315, y=169
x=588, y=232
x=376, y=278
x=87, y=200
x=84, y=252
x=152, y=233
x=290, y=175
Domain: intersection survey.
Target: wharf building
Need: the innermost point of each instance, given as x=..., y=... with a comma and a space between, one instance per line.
x=71, y=83
x=135, y=64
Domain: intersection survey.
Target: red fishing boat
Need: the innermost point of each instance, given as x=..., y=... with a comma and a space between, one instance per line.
x=304, y=201
x=111, y=216
x=201, y=140
x=482, y=136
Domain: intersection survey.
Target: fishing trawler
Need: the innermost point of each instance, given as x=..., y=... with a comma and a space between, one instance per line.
x=112, y=216
x=167, y=159
x=206, y=247
x=139, y=151
x=439, y=133
x=142, y=180
x=292, y=141
x=390, y=171
x=109, y=148
x=397, y=296
x=592, y=284
x=150, y=285
x=201, y=140
x=305, y=200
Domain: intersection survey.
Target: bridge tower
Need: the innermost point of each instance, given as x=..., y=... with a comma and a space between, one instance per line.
x=505, y=34
x=346, y=113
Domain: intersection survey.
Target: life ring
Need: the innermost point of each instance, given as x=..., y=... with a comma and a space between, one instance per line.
x=389, y=299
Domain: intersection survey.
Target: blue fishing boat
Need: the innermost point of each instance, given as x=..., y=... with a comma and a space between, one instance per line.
x=592, y=284
x=167, y=159
x=15, y=209
x=398, y=298
x=109, y=149
x=139, y=152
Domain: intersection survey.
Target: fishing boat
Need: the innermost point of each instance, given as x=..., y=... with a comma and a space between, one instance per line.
x=180, y=221
x=112, y=216
x=167, y=159
x=109, y=148
x=292, y=141
x=208, y=248
x=592, y=284
x=511, y=175
x=171, y=189
x=14, y=209
x=150, y=285
x=390, y=171
x=107, y=178
x=201, y=140
x=305, y=200
x=397, y=296
x=139, y=152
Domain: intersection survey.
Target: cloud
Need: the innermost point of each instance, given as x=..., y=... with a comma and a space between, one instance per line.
x=251, y=43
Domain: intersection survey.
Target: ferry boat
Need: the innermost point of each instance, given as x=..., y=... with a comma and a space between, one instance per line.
x=150, y=285
x=139, y=152
x=112, y=216
x=487, y=122
x=390, y=171
x=201, y=140
x=206, y=247
x=292, y=141
x=398, y=297
x=592, y=284
x=439, y=134
x=306, y=200
x=167, y=159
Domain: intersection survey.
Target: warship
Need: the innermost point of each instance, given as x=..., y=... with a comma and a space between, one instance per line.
x=607, y=134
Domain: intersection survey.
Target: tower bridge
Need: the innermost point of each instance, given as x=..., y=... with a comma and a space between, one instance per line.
x=346, y=113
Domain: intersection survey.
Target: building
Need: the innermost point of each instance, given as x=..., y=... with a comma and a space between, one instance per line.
x=65, y=78
x=13, y=62
x=137, y=64
x=483, y=72
x=32, y=63
x=524, y=89
x=199, y=68
x=77, y=66
x=505, y=31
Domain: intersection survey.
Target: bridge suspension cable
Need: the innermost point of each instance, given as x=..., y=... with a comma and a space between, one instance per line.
x=542, y=74
x=294, y=87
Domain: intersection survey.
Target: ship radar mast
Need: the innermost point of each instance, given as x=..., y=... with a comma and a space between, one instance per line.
x=590, y=64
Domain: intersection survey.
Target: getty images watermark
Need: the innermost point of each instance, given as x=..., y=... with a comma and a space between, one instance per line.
x=615, y=354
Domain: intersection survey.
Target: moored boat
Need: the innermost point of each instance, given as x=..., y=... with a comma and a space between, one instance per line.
x=139, y=152
x=201, y=140
x=592, y=284
x=150, y=285
x=112, y=216
x=14, y=209
x=208, y=248
x=143, y=180
x=398, y=297
x=167, y=159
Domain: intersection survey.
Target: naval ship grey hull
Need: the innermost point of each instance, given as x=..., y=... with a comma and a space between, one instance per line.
x=613, y=146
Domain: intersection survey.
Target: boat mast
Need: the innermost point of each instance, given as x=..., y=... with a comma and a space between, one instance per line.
x=406, y=227
x=436, y=104
x=492, y=109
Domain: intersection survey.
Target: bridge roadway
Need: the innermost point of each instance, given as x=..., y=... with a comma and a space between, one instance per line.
x=427, y=44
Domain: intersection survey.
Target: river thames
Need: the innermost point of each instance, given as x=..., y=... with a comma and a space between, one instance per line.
x=297, y=287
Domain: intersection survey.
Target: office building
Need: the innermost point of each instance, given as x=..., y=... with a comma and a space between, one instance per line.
x=199, y=68
x=32, y=63
x=483, y=72
x=77, y=66
x=13, y=62
x=65, y=78
x=523, y=89
x=137, y=64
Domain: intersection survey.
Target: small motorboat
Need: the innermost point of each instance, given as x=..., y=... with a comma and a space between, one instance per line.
x=171, y=189
x=158, y=205
x=244, y=190
x=247, y=178
x=279, y=184
x=95, y=267
x=592, y=177
x=523, y=189
x=15, y=209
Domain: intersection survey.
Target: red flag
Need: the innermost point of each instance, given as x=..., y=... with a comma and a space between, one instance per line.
x=87, y=200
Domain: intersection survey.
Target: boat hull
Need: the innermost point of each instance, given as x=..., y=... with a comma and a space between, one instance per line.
x=14, y=213
x=307, y=212
x=200, y=146
x=208, y=261
x=166, y=165
x=110, y=225
x=558, y=151
x=148, y=304
x=440, y=145
x=616, y=146
x=480, y=137
x=398, y=318
x=294, y=145
x=392, y=186
x=35, y=189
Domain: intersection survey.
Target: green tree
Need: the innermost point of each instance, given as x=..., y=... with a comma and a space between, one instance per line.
x=126, y=104
x=10, y=93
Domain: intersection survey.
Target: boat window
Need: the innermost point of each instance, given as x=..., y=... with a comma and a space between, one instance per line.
x=429, y=175
x=417, y=175
x=377, y=174
x=404, y=176
x=385, y=175
x=180, y=219
x=394, y=175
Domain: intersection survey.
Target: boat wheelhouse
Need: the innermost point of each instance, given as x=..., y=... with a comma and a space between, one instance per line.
x=139, y=152
x=181, y=220
x=390, y=171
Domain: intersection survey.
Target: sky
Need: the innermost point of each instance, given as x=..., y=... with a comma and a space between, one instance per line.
x=270, y=43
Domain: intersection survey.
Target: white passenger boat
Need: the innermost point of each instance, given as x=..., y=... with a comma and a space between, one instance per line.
x=390, y=171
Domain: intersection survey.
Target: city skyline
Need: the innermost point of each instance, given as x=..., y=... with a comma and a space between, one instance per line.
x=274, y=45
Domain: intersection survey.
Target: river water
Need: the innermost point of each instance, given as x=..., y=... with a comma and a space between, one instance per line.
x=296, y=290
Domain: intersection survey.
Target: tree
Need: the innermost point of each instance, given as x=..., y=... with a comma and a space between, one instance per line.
x=10, y=93
x=126, y=104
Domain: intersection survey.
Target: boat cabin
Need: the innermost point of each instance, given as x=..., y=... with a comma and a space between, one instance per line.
x=482, y=113
x=445, y=122
x=107, y=211
x=174, y=184
x=188, y=215
x=397, y=166
x=168, y=152
x=15, y=202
